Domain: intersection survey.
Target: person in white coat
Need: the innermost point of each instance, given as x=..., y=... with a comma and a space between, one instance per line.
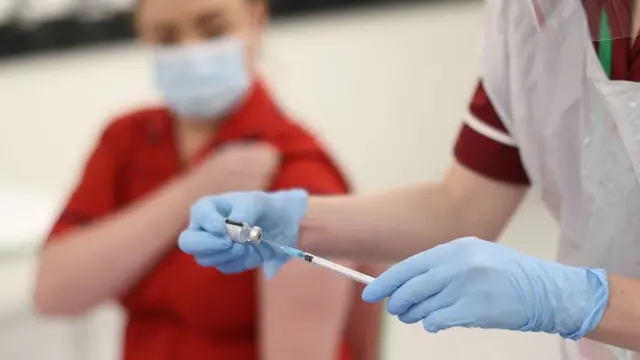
x=558, y=108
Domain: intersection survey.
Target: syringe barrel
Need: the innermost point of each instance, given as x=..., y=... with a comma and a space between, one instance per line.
x=342, y=270
x=242, y=232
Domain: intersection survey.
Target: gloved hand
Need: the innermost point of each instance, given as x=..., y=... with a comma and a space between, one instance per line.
x=474, y=283
x=278, y=214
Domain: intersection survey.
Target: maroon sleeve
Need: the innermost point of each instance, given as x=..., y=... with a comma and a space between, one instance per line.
x=484, y=155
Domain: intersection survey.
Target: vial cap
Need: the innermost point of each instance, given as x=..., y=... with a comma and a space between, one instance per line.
x=255, y=235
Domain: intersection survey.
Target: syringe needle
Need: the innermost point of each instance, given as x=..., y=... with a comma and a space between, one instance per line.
x=326, y=264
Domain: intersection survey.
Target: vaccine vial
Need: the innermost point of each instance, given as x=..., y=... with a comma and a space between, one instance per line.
x=242, y=232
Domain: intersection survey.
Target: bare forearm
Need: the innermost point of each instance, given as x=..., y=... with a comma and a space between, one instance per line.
x=375, y=225
x=105, y=259
x=307, y=304
x=365, y=321
x=394, y=225
x=620, y=325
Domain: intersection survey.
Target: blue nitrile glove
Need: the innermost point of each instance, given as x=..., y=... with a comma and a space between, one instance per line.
x=278, y=214
x=474, y=283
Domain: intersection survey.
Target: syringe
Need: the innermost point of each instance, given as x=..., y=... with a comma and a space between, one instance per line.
x=330, y=265
x=242, y=233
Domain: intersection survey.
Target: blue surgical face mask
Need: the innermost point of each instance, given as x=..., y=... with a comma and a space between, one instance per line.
x=203, y=81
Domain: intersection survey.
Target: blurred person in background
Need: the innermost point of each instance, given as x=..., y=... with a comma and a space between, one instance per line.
x=219, y=131
x=558, y=108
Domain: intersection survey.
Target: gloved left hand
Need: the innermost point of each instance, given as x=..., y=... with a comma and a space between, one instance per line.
x=278, y=214
x=474, y=283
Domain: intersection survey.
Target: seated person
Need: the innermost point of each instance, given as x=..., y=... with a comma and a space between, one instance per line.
x=220, y=131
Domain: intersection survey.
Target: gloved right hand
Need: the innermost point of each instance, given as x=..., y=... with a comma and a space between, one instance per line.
x=479, y=284
x=278, y=214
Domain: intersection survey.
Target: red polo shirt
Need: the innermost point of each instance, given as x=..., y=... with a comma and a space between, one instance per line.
x=182, y=311
x=496, y=157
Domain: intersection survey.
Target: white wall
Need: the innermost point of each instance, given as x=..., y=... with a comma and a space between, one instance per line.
x=385, y=89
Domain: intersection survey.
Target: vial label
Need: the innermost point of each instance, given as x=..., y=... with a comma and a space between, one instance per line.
x=235, y=233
